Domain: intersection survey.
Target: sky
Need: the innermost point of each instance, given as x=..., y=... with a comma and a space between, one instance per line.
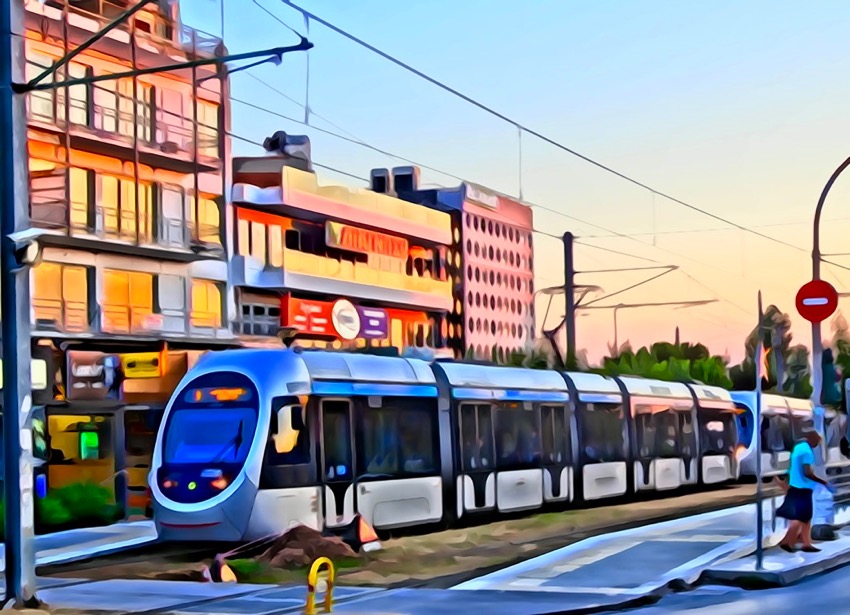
x=737, y=108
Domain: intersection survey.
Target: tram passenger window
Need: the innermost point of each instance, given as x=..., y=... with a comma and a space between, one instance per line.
x=282, y=450
x=687, y=434
x=518, y=441
x=477, y=434
x=398, y=439
x=555, y=434
x=717, y=435
x=602, y=432
x=336, y=440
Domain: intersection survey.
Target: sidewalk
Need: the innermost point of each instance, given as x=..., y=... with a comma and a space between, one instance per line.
x=75, y=545
x=634, y=563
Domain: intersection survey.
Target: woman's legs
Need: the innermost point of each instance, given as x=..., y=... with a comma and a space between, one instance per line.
x=792, y=536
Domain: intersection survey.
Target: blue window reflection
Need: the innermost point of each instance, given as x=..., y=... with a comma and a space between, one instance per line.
x=218, y=435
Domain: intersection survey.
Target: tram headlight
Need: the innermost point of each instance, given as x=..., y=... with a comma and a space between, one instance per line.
x=219, y=483
x=169, y=484
x=740, y=452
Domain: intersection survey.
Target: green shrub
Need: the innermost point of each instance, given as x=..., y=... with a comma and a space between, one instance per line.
x=51, y=511
x=87, y=503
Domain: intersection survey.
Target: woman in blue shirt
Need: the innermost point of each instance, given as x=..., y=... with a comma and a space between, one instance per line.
x=798, y=507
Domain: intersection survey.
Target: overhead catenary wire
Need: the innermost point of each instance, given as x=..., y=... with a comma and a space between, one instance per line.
x=524, y=128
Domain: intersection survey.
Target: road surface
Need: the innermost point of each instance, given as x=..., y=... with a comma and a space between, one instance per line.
x=829, y=593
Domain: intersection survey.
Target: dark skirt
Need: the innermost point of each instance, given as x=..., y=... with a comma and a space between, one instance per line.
x=798, y=505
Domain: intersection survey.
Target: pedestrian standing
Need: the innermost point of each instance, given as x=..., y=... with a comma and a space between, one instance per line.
x=798, y=506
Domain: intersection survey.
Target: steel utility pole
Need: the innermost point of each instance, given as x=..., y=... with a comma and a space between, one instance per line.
x=570, y=299
x=817, y=342
x=14, y=310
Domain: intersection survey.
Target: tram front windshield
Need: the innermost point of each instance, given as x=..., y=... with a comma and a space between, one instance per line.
x=208, y=434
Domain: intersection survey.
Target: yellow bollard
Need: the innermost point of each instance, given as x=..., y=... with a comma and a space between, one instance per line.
x=313, y=580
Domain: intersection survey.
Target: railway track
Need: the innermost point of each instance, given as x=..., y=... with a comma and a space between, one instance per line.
x=176, y=559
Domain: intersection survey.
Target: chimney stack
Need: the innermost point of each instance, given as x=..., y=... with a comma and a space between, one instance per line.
x=405, y=179
x=379, y=181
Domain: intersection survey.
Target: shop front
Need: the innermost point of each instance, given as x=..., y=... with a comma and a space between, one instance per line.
x=343, y=323
x=103, y=429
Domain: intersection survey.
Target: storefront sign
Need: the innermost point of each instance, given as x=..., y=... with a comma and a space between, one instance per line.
x=92, y=375
x=310, y=317
x=479, y=195
x=142, y=365
x=38, y=374
x=361, y=240
x=374, y=323
x=346, y=319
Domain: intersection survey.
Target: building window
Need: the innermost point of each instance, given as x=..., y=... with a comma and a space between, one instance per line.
x=145, y=95
x=275, y=246
x=60, y=296
x=206, y=221
x=126, y=115
x=106, y=108
x=108, y=200
x=81, y=199
x=127, y=300
x=121, y=212
x=79, y=95
x=207, y=129
x=172, y=224
x=206, y=304
x=40, y=101
x=258, y=241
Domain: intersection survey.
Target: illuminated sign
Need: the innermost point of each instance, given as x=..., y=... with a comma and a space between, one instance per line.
x=142, y=365
x=346, y=319
x=311, y=317
x=374, y=323
x=38, y=374
x=216, y=395
x=92, y=375
x=341, y=319
x=361, y=240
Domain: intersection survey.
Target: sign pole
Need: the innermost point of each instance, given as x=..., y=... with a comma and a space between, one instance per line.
x=757, y=429
x=15, y=307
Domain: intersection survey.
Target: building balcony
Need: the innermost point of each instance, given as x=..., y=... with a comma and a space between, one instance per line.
x=312, y=273
x=167, y=141
x=300, y=194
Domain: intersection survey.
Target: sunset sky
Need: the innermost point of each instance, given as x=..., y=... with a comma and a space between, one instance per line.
x=739, y=109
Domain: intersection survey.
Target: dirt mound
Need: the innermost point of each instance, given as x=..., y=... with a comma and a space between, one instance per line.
x=301, y=546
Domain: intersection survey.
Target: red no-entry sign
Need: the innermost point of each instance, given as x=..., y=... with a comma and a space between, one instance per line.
x=817, y=300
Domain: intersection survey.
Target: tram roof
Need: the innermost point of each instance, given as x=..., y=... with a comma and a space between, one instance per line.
x=593, y=383
x=655, y=388
x=340, y=366
x=711, y=393
x=473, y=381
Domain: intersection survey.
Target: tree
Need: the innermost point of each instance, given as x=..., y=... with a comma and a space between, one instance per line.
x=788, y=370
x=669, y=362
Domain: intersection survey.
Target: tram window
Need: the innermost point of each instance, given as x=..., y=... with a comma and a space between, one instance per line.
x=206, y=436
x=658, y=434
x=555, y=434
x=289, y=438
x=687, y=434
x=835, y=428
x=745, y=425
x=518, y=441
x=601, y=432
x=776, y=433
x=336, y=440
x=477, y=437
x=717, y=435
x=398, y=439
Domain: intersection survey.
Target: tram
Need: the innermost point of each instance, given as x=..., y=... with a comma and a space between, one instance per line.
x=718, y=426
x=255, y=441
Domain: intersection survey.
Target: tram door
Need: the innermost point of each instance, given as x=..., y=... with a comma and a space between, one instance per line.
x=557, y=461
x=478, y=461
x=338, y=462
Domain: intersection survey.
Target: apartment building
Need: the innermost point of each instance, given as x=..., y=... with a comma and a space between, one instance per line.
x=127, y=179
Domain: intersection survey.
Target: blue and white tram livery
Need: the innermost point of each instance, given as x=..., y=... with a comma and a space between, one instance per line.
x=256, y=441
x=776, y=432
x=514, y=436
x=602, y=430
x=718, y=434
x=664, y=427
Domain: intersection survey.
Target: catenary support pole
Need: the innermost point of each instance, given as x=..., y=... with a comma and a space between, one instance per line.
x=14, y=310
x=570, y=299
